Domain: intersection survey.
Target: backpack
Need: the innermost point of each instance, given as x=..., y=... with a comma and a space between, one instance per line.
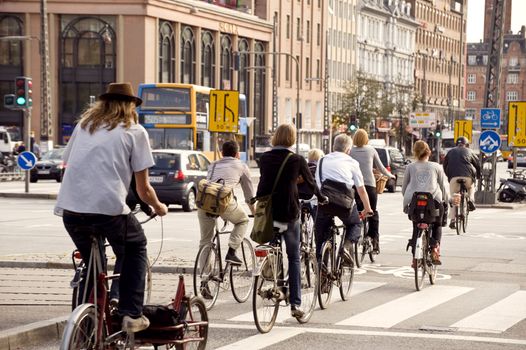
x=213, y=197
x=263, y=230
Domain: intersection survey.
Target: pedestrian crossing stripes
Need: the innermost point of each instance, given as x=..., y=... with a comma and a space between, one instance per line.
x=497, y=317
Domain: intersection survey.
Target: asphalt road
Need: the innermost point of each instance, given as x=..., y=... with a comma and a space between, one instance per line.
x=479, y=299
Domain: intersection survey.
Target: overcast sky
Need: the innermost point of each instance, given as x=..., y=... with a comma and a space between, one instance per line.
x=476, y=18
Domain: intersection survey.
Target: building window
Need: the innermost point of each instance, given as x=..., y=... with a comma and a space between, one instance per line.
x=87, y=65
x=287, y=68
x=513, y=78
x=472, y=78
x=166, y=52
x=227, y=70
x=244, y=76
x=307, y=32
x=187, y=56
x=472, y=60
x=512, y=96
x=259, y=88
x=208, y=63
x=288, y=27
x=307, y=67
x=318, y=34
x=513, y=62
x=298, y=29
x=472, y=95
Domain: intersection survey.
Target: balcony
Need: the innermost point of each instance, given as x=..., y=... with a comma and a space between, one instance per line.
x=239, y=5
x=514, y=68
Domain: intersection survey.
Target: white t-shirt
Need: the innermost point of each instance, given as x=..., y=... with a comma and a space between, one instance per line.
x=99, y=167
x=338, y=166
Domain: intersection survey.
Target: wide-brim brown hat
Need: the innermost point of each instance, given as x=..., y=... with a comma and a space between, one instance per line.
x=121, y=92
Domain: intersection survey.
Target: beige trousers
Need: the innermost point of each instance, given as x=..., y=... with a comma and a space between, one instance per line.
x=454, y=187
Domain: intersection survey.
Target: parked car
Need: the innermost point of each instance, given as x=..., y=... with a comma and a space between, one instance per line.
x=50, y=166
x=521, y=158
x=175, y=176
x=395, y=162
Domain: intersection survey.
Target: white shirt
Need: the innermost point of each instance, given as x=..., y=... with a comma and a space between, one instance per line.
x=99, y=167
x=339, y=166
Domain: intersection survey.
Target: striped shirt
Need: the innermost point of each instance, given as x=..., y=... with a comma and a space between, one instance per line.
x=233, y=172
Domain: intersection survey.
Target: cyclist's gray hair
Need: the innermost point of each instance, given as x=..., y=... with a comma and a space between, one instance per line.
x=342, y=143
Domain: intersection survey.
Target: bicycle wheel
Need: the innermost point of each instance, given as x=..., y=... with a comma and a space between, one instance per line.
x=432, y=270
x=309, y=285
x=79, y=332
x=326, y=273
x=460, y=216
x=195, y=334
x=420, y=268
x=466, y=214
x=241, y=275
x=346, y=277
x=265, y=304
x=76, y=284
x=206, y=275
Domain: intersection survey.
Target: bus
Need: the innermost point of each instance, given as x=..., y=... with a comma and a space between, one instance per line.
x=176, y=117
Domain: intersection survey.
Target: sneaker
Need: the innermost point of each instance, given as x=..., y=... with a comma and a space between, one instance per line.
x=435, y=256
x=134, y=325
x=205, y=291
x=296, y=312
x=348, y=252
x=232, y=258
x=114, y=303
x=471, y=205
x=452, y=224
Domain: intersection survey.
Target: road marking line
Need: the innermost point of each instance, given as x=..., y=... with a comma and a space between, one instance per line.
x=497, y=317
x=284, y=315
x=398, y=310
x=419, y=335
x=261, y=341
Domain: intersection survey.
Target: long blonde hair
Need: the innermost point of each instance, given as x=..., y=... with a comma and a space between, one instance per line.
x=108, y=114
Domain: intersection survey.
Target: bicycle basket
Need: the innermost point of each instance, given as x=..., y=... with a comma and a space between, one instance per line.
x=422, y=208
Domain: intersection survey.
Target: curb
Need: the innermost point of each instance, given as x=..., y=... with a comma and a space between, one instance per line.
x=28, y=195
x=33, y=333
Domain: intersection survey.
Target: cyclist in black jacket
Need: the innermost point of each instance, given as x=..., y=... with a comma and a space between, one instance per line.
x=461, y=163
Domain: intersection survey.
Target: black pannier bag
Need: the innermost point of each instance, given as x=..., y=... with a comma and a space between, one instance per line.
x=341, y=197
x=424, y=209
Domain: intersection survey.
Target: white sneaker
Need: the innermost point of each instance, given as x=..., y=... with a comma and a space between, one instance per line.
x=134, y=325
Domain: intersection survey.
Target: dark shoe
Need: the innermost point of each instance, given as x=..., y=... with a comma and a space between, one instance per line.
x=376, y=246
x=232, y=258
x=471, y=206
x=348, y=252
x=205, y=291
x=452, y=224
x=134, y=325
x=296, y=312
x=435, y=255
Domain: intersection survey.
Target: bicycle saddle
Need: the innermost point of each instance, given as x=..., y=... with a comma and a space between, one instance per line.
x=281, y=226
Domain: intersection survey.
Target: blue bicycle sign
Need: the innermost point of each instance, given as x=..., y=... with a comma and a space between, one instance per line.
x=490, y=118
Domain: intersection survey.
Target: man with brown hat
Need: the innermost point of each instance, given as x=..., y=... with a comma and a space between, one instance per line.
x=106, y=148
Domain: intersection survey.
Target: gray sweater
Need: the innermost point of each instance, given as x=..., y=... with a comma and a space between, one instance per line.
x=424, y=176
x=368, y=158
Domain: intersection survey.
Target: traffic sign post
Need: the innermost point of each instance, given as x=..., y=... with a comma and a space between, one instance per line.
x=464, y=128
x=490, y=118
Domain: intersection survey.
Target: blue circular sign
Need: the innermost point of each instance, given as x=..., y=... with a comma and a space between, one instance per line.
x=26, y=160
x=489, y=141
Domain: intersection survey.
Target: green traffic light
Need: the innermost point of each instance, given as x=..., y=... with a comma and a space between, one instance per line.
x=352, y=127
x=21, y=101
x=437, y=134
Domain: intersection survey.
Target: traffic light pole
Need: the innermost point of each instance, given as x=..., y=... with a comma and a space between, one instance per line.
x=27, y=120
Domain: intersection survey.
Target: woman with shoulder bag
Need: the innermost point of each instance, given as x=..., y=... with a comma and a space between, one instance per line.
x=285, y=200
x=368, y=159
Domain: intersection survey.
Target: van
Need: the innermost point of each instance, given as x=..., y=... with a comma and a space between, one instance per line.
x=395, y=162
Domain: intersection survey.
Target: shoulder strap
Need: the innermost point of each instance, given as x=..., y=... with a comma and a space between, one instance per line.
x=213, y=169
x=279, y=171
x=319, y=169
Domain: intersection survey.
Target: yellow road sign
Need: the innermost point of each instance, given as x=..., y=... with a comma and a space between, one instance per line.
x=517, y=124
x=464, y=128
x=224, y=107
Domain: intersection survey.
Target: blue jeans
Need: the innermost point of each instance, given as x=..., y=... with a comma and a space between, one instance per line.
x=292, y=246
x=352, y=223
x=126, y=237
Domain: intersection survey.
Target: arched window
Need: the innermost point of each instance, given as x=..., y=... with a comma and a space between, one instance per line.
x=11, y=64
x=227, y=69
x=87, y=65
x=259, y=88
x=166, y=52
x=208, y=63
x=187, y=55
x=244, y=76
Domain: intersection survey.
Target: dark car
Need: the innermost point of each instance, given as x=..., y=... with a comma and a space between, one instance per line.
x=395, y=162
x=521, y=158
x=50, y=166
x=175, y=176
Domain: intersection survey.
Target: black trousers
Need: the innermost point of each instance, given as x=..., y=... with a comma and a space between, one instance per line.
x=374, y=221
